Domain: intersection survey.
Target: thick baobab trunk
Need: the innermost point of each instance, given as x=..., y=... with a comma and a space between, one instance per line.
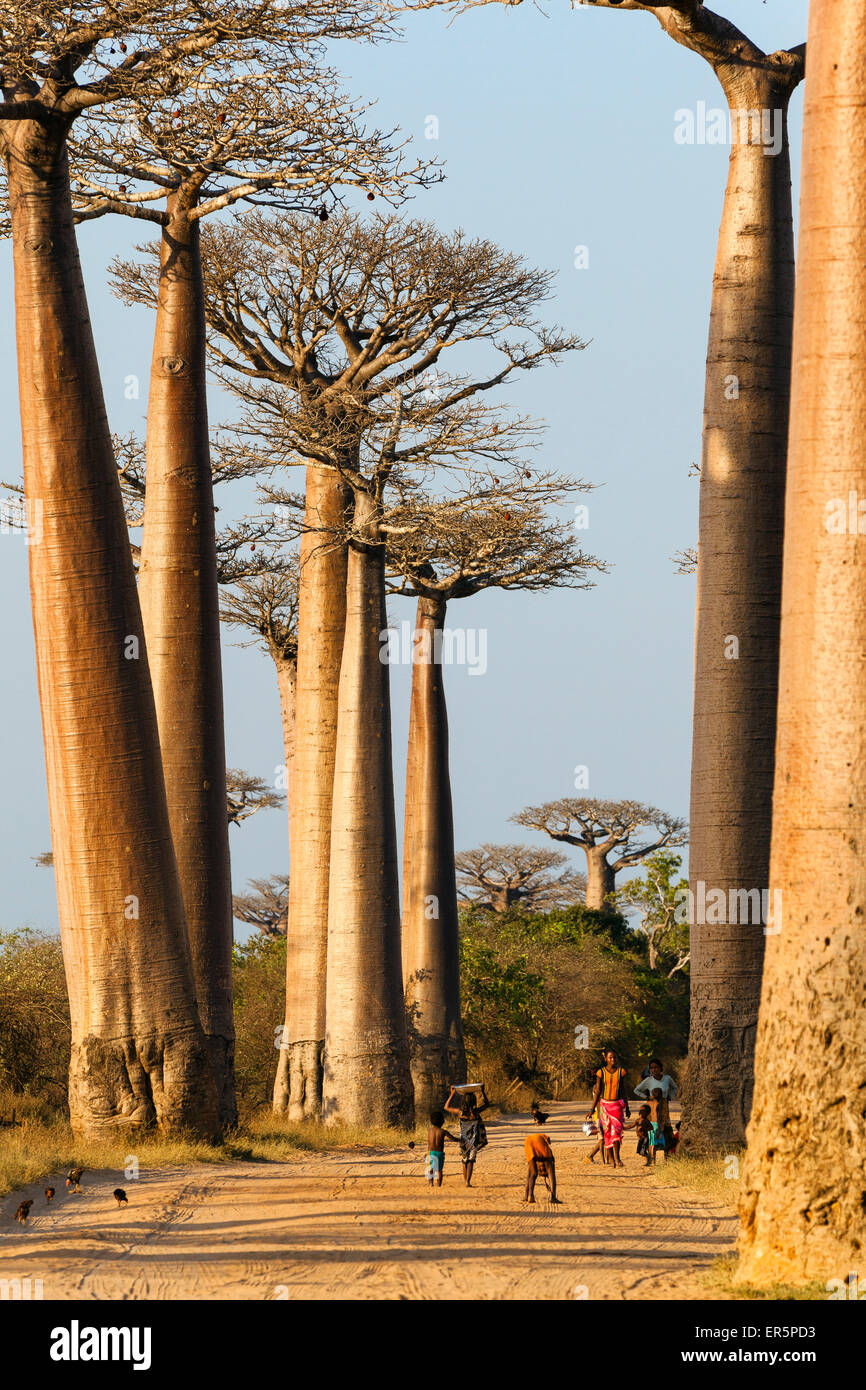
x=366, y=1060
x=738, y=613
x=803, y=1213
x=600, y=880
x=431, y=967
x=287, y=681
x=180, y=609
x=138, y=1052
x=321, y=620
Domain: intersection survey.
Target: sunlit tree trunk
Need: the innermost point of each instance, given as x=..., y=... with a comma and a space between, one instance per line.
x=739, y=556
x=600, y=880
x=738, y=613
x=366, y=1060
x=180, y=607
x=431, y=967
x=321, y=620
x=803, y=1214
x=287, y=681
x=138, y=1051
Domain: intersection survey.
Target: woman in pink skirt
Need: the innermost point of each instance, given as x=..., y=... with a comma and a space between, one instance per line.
x=611, y=1098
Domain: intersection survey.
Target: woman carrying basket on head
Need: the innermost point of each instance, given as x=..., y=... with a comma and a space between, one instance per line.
x=611, y=1098
x=473, y=1135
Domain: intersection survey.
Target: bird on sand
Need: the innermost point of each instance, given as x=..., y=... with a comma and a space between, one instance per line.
x=23, y=1211
x=120, y=1197
x=73, y=1179
x=49, y=1193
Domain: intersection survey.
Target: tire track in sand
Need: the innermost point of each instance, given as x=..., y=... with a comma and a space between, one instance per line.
x=364, y=1225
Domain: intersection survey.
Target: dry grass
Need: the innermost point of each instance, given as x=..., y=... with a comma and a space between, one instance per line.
x=40, y=1145
x=273, y=1136
x=705, y=1176
x=721, y=1278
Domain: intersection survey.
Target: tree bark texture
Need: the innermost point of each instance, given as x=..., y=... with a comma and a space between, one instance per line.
x=742, y=510
x=803, y=1207
x=321, y=622
x=180, y=607
x=138, y=1051
x=366, y=1061
x=431, y=965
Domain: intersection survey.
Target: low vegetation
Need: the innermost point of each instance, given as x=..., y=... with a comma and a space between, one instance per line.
x=721, y=1277
x=543, y=993
x=716, y=1178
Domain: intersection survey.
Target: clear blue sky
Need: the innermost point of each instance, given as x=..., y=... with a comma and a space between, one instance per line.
x=557, y=131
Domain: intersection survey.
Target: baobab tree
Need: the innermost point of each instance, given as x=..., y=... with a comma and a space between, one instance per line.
x=332, y=336
x=740, y=549
x=320, y=612
x=603, y=829
x=255, y=124
x=496, y=878
x=440, y=550
x=266, y=907
x=739, y=552
x=259, y=593
x=802, y=1209
x=138, y=1049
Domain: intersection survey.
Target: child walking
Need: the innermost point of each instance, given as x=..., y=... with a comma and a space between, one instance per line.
x=592, y=1126
x=473, y=1135
x=436, y=1136
x=641, y=1127
x=659, y=1116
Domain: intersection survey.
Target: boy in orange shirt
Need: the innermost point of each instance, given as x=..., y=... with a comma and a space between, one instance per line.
x=540, y=1161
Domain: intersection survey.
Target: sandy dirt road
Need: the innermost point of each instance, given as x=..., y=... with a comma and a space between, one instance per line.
x=365, y=1225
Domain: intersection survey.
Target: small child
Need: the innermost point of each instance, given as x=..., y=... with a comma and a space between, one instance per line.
x=436, y=1137
x=641, y=1127
x=659, y=1117
x=595, y=1128
x=539, y=1163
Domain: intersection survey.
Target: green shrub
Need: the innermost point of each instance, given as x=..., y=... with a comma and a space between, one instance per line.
x=34, y=1016
x=260, y=1008
x=528, y=981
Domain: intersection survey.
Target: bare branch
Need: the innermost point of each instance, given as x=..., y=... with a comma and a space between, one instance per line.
x=498, y=877
x=267, y=907
x=606, y=826
x=247, y=794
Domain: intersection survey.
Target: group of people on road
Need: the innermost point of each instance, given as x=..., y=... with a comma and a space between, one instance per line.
x=610, y=1104
x=655, y=1133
